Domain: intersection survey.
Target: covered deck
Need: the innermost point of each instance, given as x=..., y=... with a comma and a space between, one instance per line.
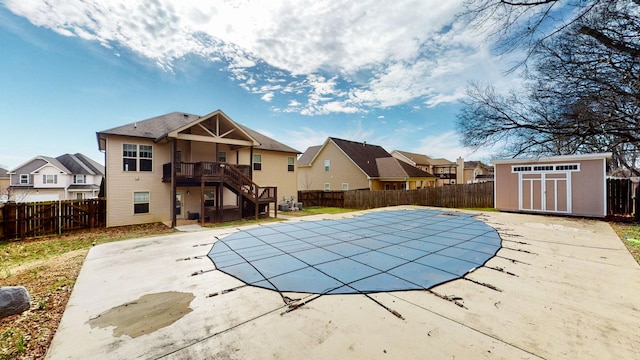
x=251, y=200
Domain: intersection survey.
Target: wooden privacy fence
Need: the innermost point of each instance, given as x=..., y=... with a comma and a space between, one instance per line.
x=623, y=197
x=321, y=198
x=24, y=220
x=451, y=196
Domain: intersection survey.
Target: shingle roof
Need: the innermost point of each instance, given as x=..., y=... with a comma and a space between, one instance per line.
x=80, y=164
x=390, y=167
x=442, y=162
x=55, y=162
x=159, y=127
x=416, y=158
x=362, y=154
x=267, y=143
x=424, y=159
x=308, y=155
x=155, y=127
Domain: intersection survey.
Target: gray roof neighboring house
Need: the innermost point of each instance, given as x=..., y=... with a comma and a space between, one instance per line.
x=362, y=154
x=76, y=164
x=420, y=159
x=159, y=128
x=307, y=157
x=373, y=160
x=80, y=164
x=390, y=167
x=4, y=173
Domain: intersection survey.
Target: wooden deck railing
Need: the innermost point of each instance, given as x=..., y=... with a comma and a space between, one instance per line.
x=186, y=171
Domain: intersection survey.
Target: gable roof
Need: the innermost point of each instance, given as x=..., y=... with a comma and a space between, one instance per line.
x=267, y=143
x=80, y=164
x=307, y=157
x=160, y=127
x=390, y=167
x=4, y=173
x=362, y=154
x=420, y=159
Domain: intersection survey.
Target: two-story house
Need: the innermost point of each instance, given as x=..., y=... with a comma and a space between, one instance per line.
x=340, y=164
x=4, y=184
x=184, y=166
x=66, y=177
x=471, y=172
x=443, y=169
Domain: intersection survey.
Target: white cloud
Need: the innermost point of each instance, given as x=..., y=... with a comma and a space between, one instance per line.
x=327, y=56
x=267, y=97
x=447, y=145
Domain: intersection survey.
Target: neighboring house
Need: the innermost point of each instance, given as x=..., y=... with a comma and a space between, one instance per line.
x=443, y=169
x=4, y=185
x=183, y=166
x=340, y=164
x=66, y=177
x=570, y=185
x=471, y=172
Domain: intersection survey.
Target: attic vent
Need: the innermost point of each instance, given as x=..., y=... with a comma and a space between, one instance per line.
x=185, y=115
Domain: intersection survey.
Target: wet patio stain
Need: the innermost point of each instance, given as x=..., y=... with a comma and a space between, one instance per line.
x=145, y=315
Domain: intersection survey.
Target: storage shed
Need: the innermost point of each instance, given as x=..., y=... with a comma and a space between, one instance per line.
x=570, y=185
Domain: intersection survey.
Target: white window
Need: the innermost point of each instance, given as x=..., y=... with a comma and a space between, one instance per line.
x=141, y=202
x=290, y=163
x=327, y=186
x=387, y=187
x=49, y=179
x=222, y=156
x=257, y=162
x=327, y=165
x=79, y=179
x=24, y=179
x=345, y=186
x=146, y=158
x=131, y=158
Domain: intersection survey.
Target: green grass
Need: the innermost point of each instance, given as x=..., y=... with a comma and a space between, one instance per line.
x=627, y=232
x=14, y=253
x=315, y=210
x=481, y=209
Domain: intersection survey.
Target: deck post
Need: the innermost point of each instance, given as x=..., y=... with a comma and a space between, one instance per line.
x=201, y=200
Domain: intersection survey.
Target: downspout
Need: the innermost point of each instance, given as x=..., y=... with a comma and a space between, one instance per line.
x=251, y=163
x=173, y=184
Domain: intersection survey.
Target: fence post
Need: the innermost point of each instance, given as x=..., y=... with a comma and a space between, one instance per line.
x=637, y=204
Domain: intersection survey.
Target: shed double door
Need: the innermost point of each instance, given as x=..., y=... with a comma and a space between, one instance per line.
x=546, y=192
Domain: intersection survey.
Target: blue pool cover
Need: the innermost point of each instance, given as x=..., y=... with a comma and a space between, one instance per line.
x=380, y=251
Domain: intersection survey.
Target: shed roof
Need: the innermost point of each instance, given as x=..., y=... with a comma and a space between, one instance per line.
x=576, y=157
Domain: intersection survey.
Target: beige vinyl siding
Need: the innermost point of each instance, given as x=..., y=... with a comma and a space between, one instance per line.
x=275, y=172
x=122, y=184
x=342, y=170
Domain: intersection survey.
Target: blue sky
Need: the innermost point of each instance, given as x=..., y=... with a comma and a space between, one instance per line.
x=388, y=73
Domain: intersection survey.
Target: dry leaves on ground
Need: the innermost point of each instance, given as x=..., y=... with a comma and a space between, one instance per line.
x=49, y=281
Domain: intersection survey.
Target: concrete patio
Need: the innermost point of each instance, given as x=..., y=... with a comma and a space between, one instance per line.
x=560, y=288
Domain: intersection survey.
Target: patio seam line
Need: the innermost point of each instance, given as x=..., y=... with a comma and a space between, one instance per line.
x=468, y=327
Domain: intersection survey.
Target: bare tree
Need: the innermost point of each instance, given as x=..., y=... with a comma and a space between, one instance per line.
x=583, y=91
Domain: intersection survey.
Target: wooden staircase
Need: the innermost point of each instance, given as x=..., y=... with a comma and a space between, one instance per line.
x=255, y=199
